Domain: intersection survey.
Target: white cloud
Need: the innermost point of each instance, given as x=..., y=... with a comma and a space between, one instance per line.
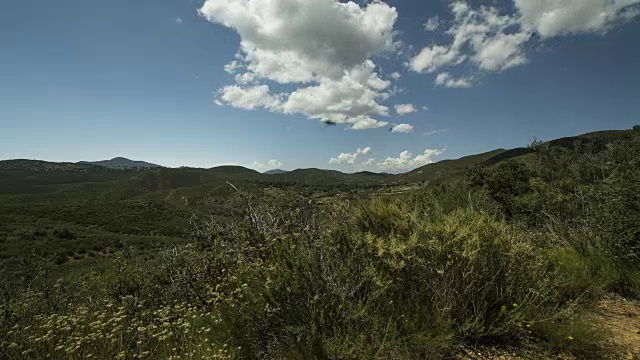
x=365, y=151
x=269, y=165
x=436, y=132
x=178, y=20
x=432, y=24
x=365, y=123
x=323, y=47
x=493, y=41
x=552, y=17
x=248, y=98
x=480, y=36
x=233, y=67
x=396, y=75
x=345, y=100
x=404, y=109
x=299, y=41
x=447, y=80
x=501, y=52
x=434, y=57
x=245, y=78
x=360, y=159
x=352, y=158
x=402, y=128
x=407, y=161
x=369, y=162
x=344, y=158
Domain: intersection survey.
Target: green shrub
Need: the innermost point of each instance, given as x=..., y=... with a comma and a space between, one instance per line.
x=61, y=258
x=64, y=233
x=388, y=278
x=384, y=217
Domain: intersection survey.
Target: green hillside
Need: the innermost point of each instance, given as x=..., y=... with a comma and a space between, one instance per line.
x=38, y=165
x=515, y=255
x=449, y=168
x=109, y=205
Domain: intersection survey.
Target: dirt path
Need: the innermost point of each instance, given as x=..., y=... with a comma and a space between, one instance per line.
x=619, y=316
x=622, y=318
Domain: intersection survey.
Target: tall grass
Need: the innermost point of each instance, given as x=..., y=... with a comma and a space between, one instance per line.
x=387, y=279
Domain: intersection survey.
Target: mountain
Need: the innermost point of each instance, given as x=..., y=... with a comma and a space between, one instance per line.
x=310, y=176
x=451, y=168
x=328, y=177
x=39, y=165
x=122, y=163
x=274, y=172
x=232, y=170
x=160, y=177
x=371, y=174
x=598, y=138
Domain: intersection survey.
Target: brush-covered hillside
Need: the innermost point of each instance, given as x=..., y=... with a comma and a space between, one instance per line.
x=507, y=254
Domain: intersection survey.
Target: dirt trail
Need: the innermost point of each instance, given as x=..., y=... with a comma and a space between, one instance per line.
x=619, y=316
x=622, y=318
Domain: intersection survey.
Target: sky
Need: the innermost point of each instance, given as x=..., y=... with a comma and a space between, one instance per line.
x=359, y=85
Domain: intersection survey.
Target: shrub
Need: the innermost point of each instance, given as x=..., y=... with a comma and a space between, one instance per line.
x=64, y=233
x=387, y=278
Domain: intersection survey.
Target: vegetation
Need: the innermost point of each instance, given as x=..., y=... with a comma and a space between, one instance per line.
x=514, y=253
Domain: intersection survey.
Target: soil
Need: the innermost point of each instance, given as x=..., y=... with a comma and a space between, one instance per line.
x=619, y=316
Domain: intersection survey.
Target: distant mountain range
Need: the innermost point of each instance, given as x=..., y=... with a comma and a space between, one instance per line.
x=39, y=165
x=445, y=169
x=122, y=163
x=274, y=172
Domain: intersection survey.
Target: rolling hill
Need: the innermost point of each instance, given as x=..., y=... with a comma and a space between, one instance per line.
x=122, y=163
x=121, y=201
x=274, y=172
x=39, y=165
x=450, y=168
x=14, y=174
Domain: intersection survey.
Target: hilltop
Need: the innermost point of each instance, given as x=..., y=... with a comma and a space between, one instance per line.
x=438, y=171
x=274, y=172
x=448, y=169
x=122, y=163
x=39, y=165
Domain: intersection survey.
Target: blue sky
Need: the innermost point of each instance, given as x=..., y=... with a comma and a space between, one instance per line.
x=88, y=80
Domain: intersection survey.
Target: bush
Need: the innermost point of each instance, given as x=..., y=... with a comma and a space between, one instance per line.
x=386, y=275
x=591, y=189
x=61, y=258
x=64, y=233
x=387, y=278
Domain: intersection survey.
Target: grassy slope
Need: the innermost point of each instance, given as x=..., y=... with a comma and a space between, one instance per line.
x=159, y=202
x=449, y=168
x=146, y=210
